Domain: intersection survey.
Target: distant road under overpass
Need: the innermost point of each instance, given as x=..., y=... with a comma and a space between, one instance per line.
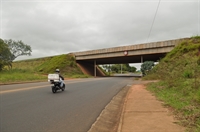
x=154, y=51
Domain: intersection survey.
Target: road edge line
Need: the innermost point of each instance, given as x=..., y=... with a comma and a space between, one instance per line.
x=101, y=124
x=123, y=109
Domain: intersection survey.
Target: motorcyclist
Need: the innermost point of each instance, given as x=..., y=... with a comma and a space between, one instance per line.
x=60, y=76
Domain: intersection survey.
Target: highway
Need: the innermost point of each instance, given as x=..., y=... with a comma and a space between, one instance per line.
x=32, y=107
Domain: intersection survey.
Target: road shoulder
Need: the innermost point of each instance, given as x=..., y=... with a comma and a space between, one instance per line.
x=108, y=120
x=142, y=112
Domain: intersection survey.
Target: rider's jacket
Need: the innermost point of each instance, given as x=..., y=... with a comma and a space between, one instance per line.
x=61, y=77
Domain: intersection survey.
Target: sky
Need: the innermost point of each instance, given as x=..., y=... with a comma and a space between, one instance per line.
x=54, y=27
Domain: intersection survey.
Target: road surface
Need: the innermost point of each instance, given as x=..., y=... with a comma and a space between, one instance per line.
x=32, y=107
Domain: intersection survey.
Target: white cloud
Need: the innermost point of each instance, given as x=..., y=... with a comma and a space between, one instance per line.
x=56, y=27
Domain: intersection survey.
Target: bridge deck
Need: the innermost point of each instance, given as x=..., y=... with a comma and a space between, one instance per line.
x=150, y=51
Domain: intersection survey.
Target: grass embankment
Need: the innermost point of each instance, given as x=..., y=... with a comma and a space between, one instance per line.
x=18, y=75
x=37, y=69
x=179, y=85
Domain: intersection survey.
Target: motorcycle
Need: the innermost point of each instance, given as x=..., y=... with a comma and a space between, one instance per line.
x=55, y=80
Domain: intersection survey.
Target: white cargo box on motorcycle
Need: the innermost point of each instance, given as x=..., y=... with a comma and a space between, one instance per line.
x=53, y=77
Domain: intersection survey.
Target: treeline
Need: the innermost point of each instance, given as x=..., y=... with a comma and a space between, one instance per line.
x=146, y=67
x=10, y=50
x=117, y=68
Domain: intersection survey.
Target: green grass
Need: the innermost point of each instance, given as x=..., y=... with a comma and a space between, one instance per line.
x=80, y=76
x=29, y=65
x=179, y=85
x=18, y=75
x=185, y=105
x=66, y=63
x=38, y=69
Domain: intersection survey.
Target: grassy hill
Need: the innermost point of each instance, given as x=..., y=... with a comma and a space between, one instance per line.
x=37, y=69
x=179, y=85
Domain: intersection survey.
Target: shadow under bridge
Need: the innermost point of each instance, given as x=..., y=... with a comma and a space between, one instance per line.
x=88, y=61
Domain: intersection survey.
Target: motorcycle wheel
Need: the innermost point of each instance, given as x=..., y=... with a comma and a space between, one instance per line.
x=54, y=89
x=63, y=88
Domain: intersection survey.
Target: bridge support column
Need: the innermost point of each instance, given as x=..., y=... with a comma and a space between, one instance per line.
x=109, y=70
x=141, y=59
x=95, y=69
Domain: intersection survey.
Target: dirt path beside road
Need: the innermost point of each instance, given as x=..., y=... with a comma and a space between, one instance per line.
x=142, y=112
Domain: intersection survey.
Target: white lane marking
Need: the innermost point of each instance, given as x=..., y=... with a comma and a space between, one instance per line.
x=74, y=81
x=20, y=89
x=28, y=88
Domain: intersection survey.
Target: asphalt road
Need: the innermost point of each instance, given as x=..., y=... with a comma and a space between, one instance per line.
x=32, y=107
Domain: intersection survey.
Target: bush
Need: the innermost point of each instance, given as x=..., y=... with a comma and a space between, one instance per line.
x=146, y=67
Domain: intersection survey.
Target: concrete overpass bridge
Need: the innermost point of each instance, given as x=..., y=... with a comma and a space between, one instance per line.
x=154, y=51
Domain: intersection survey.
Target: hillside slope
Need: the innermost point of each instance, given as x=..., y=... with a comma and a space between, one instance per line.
x=179, y=85
x=66, y=63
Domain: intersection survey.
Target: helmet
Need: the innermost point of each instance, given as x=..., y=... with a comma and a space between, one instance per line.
x=57, y=70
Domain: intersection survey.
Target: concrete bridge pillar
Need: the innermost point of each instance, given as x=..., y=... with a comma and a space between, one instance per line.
x=95, y=68
x=141, y=59
x=90, y=68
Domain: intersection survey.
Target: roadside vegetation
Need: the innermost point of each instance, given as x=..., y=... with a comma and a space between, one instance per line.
x=33, y=69
x=179, y=82
x=38, y=69
x=10, y=50
x=118, y=68
x=19, y=75
x=146, y=67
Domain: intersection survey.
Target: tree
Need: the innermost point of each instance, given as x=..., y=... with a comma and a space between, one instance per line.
x=5, y=55
x=146, y=67
x=115, y=68
x=118, y=67
x=133, y=69
x=106, y=67
x=17, y=48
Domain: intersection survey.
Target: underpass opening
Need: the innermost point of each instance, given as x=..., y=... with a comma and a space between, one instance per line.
x=153, y=51
x=91, y=66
